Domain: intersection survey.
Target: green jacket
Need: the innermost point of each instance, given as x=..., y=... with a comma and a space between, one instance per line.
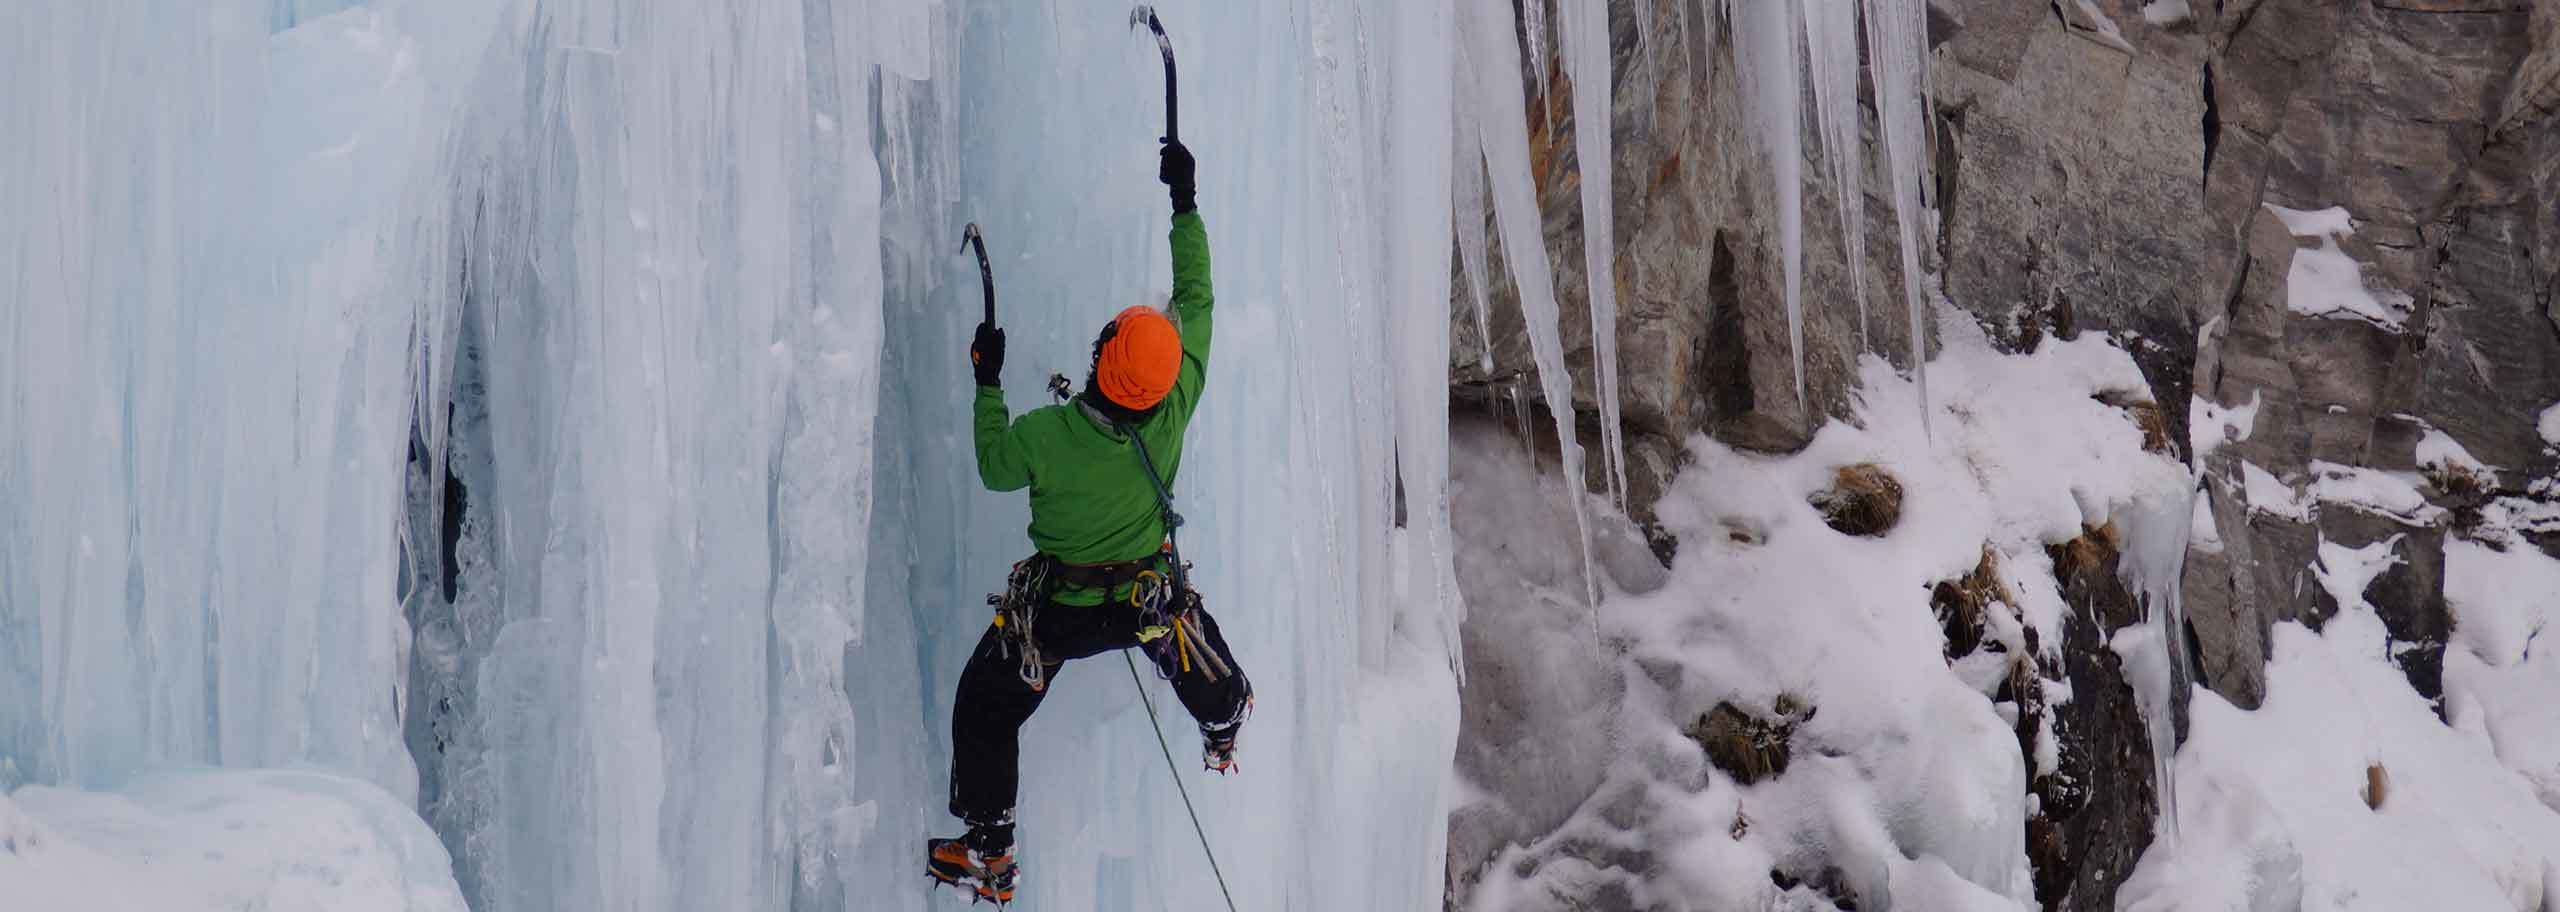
x=1091, y=501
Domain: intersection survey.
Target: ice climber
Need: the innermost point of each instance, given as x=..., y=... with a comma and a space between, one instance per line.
x=1100, y=469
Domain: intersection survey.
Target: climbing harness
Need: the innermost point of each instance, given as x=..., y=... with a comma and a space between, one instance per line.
x=1017, y=609
x=1180, y=631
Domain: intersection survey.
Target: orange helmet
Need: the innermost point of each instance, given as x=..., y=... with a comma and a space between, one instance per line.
x=1139, y=358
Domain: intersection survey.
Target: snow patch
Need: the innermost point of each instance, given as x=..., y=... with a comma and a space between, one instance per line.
x=1919, y=799
x=2390, y=494
x=2504, y=661
x=270, y=840
x=2325, y=282
x=2548, y=425
x=2166, y=13
x=2265, y=493
x=2210, y=425
x=2438, y=452
x=2276, y=796
x=2346, y=572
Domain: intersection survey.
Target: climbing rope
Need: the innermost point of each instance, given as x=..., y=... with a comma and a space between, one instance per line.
x=1059, y=387
x=1158, y=727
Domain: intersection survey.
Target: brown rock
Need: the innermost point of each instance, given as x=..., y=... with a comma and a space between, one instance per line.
x=1862, y=500
x=1745, y=746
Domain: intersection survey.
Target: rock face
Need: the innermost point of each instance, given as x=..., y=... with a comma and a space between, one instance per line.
x=2117, y=166
x=2433, y=125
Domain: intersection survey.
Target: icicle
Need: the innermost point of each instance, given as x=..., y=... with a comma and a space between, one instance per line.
x=1506, y=152
x=1768, y=50
x=1586, y=37
x=1468, y=213
x=1644, y=44
x=2156, y=531
x=1831, y=53
x=1899, y=70
x=1534, y=14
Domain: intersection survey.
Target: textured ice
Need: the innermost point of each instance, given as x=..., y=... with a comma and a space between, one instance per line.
x=1587, y=57
x=667, y=288
x=1489, y=64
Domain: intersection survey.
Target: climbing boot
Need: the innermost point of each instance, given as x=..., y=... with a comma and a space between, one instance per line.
x=1218, y=748
x=973, y=863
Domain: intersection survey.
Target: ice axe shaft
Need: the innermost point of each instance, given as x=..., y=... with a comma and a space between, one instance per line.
x=971, y=239
x=1146, y=15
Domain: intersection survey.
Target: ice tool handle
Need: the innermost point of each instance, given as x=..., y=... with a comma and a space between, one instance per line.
x=971, y=239
x=1146, y=15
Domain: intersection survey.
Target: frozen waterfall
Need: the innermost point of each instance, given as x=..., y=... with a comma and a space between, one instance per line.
x=553, y=414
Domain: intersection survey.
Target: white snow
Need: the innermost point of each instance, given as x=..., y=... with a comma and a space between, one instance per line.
x=2210, y=425
x=2503, y=663
x=216, y=841
x=2437, y=451
x=2087, y=15
x=2548, y=425
x=2276, y=804
x=2165, y=13
x=2391, y=494
x=1918, y=798
x=2325, y=282
x=2265, y=493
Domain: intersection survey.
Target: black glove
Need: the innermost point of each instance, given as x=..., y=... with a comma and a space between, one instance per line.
x=1182, y=174
x=986, y=355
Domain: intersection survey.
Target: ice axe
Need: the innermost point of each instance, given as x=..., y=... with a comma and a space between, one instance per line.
x=986, y=275
x=1146, y=15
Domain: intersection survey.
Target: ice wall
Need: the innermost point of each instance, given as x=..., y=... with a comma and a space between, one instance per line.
x=490, y=400
x=553, y=413
x=1323, y=135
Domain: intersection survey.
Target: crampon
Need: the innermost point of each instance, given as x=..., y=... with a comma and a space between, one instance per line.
x=986, y=877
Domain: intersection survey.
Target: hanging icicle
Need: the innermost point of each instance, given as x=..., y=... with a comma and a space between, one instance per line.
x=1586, y=56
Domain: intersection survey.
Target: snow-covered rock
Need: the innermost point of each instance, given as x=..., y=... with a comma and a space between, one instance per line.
x=218, y=841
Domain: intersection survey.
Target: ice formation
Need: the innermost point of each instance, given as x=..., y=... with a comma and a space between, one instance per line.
x=1586, y=47
x=1768, y=49
x=1779, y=44
x=1489, y=75
x=551, y=414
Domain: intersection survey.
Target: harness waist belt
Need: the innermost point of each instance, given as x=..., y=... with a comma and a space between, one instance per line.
x=1102, y=576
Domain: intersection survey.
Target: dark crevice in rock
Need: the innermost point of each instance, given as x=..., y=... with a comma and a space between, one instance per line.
x=2212, y=127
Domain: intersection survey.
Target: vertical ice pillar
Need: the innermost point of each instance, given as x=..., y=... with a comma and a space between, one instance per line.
x=1421, y=65
x=1896, y=36
x=1768, y=50
x=1831, y=43
x=1587, y=55
x=1489, y=76
x=680, y=318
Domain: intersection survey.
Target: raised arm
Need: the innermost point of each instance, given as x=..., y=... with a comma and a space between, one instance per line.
x=1191, y=298
x=1004, y=464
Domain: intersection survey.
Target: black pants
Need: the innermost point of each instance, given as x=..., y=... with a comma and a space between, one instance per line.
x=993, y=702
